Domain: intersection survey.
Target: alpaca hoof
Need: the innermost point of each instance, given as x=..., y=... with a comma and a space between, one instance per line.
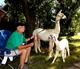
x=63, y=60
x=36, y=52
x=50, y=56
x=68, y=55
x=40, y=51
x=52, y=62
x=65, y=57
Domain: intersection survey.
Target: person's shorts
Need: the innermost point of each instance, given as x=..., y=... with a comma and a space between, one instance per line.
x=12, y=53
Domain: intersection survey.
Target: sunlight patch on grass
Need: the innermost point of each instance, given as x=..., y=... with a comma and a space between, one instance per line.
x=76, y=58
x=76, y=37
x=47, y=58
x=76, y=44
x=63, y=37
x=77, y=50
x=52, y=67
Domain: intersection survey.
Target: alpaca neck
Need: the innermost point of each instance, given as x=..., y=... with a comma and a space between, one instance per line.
x=56, y=42
x=57, y=26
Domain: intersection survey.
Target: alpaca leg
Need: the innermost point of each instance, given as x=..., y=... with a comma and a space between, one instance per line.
x=51, y=45
x=36, y=45
x=63, y=56
x=65, y=53
x=39, y=44
x=50, y=53
x=56, y=54
x=68, y=50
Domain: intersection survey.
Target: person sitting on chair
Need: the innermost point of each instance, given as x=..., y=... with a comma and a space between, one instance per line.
x=15, y=42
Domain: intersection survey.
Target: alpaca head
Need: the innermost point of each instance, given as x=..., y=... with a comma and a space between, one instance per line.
x=61, y=15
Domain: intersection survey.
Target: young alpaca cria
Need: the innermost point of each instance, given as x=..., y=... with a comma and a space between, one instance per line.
x=60, y=46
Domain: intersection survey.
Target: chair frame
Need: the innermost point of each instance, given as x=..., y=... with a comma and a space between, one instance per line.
x=7, y=63
x=2, y=56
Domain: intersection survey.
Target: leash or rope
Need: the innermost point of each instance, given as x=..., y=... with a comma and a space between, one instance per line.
x=41, y=31
x=44, y=50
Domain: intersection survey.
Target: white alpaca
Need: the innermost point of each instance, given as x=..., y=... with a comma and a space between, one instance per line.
x=43, y=34
x=60, y=46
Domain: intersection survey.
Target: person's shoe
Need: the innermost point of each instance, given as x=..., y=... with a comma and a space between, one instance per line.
x=29, y=62
x=23, y=67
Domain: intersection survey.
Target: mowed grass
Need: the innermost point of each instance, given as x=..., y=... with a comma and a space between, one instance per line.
x=41, y=60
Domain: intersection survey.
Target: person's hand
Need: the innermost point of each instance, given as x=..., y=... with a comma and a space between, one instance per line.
x=32, y=37
x=32, y=44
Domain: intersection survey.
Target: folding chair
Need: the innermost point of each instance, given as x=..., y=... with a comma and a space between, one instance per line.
x=4, y=35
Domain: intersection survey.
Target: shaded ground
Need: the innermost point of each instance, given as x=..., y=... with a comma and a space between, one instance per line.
x=75, y=66
x=41, y=63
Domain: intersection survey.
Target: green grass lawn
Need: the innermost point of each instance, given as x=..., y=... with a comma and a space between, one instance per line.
x=41, y=61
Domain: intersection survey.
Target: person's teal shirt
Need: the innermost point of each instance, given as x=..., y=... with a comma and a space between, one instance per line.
x=15, y=40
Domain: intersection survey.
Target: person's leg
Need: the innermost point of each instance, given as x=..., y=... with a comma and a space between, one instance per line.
x=27, y=54
x=22, y=57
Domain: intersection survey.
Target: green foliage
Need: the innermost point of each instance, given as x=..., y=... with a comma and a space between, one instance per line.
x=45, y=11
x=42, y=10
x=73, y=1
x=70, y=8
x=15, y=11
x=75, y=24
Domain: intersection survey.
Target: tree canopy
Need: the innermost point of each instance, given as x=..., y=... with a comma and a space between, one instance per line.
x=42, y=13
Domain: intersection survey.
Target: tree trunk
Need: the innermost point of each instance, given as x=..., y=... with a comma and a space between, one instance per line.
x=30, y=21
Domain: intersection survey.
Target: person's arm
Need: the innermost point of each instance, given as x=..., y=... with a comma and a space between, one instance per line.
x=29, y=38
x=25, y=46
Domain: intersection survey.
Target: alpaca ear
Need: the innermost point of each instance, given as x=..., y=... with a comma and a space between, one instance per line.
x=60, y=11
